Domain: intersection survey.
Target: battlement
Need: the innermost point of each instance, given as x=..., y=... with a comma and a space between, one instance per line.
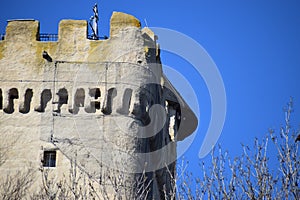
x=23, y=42
x=71, y=43
x=29, y=28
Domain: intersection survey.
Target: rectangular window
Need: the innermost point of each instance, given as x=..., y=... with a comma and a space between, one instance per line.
x=49, y=159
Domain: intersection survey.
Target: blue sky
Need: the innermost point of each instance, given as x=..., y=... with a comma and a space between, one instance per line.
x=255, y=45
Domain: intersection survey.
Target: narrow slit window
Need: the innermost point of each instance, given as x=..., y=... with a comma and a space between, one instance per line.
x=1, y=100
x=12, y=94
x=49, y=159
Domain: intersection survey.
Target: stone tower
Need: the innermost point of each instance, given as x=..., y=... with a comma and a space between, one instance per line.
x=103, y=105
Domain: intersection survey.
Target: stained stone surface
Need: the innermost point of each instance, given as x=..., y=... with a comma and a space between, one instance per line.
x=105, y=103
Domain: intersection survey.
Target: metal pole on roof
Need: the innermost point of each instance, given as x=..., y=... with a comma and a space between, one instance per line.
x=94, y=22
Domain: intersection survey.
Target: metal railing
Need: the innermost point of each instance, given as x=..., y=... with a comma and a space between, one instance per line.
x=46, y=37
x=91, y=37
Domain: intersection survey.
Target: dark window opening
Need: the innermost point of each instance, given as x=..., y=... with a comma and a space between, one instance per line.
x=111, y=94
x=25, y=108
x=95, y=92
x=126, y=102
x=63, y=99
x=12, y=94
x=141, y=109
x=49, y=159
x=79, y=97
x=78, y=100
x=95, y=102
x=45, y=98
x=63, y=96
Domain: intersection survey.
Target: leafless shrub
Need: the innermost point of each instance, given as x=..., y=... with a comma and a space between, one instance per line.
x=15, y=186
x=5, y=146
x=171, y=192
x=249, y=176
x=288, y=157
x=78, y=185
x=74, y=185
x=184, y=182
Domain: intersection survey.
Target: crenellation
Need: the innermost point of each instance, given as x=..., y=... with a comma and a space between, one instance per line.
x=72, y=31
x=119, y=21
x=22, y=31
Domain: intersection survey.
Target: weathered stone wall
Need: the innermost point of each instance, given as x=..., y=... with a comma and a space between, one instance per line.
x=89, y=100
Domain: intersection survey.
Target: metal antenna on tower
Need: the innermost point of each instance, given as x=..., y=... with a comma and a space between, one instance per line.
x=146, y=22
x=94, y=22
